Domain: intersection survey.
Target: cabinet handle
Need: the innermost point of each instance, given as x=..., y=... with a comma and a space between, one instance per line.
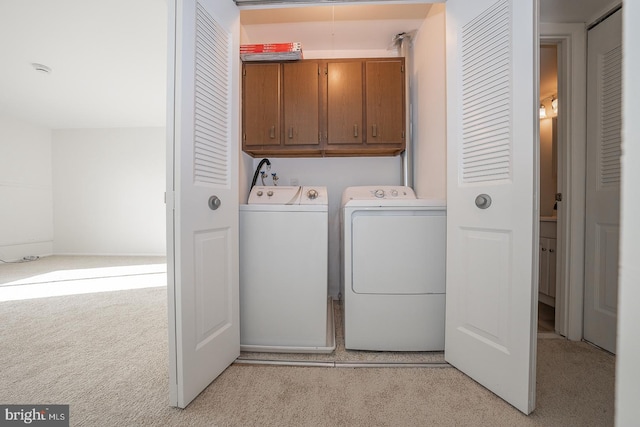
x=291, y=132
x=374, y=130
x=355, y=131
x=272, y=132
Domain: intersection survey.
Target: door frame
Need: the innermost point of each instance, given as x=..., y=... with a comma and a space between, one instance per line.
x=572, y=80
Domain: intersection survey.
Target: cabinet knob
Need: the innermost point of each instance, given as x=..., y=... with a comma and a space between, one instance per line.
x=544, y=249
x=551, y=251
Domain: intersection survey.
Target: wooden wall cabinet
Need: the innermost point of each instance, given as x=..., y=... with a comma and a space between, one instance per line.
x=385, y=102
x=301, y=102
x=261, y=105
x=345, y=95
x=280, y=108
x=345, y=107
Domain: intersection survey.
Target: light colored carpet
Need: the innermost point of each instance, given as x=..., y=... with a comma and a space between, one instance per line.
x=105, y=354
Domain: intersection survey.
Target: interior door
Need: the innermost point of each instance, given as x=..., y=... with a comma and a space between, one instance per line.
x=602, y=234
x=492, y=192
x=202, y=195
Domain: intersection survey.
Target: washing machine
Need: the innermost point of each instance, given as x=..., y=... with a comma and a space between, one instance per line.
x=284, y=271
x=393, y=269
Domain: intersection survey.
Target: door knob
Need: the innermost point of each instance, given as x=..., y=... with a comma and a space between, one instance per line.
x=214, y=203
x=483, y=201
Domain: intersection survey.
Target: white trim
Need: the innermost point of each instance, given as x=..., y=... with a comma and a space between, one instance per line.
x=603, y=12
x=571, y=40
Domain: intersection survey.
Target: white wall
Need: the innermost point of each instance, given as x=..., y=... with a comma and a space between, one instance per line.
x=548, y=169
x=108, y=191
x=26, y=217
x=627, y=368
x=429, y=107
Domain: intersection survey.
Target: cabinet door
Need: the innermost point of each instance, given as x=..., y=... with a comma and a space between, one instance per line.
x=301, y=99
x=385, y=101
x=543, y=276
x=551, y=278
x=261, y=104
x=344, y=102
x=547, y=276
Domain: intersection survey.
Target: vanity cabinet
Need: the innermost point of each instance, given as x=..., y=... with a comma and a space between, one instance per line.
x=341, y=107
x=547, y=262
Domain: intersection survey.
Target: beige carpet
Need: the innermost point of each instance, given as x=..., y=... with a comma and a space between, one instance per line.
x=105, y=354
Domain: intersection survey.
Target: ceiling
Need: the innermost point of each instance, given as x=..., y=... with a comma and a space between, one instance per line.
x=334, y=28
x=108, y=58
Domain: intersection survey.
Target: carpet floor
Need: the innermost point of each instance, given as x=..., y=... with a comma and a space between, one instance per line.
x=105, y=354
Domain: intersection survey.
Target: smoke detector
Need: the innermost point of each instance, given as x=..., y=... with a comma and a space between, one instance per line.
x=41, y=68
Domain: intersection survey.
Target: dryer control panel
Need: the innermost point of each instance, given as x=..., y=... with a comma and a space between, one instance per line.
x=381, y=192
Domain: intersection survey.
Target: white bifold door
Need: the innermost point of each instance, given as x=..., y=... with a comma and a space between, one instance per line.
x=602, y=220
x=492, y=133
x=202, y=196
x=492, y=128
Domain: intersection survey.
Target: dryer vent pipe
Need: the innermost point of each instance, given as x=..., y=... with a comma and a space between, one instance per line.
x=404, y=43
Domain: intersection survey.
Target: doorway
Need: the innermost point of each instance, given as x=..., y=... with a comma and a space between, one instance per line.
x=604, y=147
x=549, y=193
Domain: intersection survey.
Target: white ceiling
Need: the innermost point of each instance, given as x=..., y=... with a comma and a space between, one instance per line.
x=108, y=60
x=109, y=57
x=334, y=28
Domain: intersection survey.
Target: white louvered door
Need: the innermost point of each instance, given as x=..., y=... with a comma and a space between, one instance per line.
x=202, y=127
x=492, y=129
x=602, y=235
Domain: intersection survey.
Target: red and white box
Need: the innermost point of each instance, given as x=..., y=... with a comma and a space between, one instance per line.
x=290, y=51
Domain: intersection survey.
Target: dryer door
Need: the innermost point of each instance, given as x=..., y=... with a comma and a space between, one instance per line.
x=399, y=252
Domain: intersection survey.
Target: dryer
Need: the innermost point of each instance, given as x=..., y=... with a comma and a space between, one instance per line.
x=284, y=271
x=393, y=269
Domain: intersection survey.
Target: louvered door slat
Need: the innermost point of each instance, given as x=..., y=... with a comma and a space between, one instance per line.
x=211, y=101
x=486, y=103
x=610, y=117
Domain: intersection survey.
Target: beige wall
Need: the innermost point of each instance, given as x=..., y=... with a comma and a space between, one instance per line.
x=429, y=107
x=548, y=170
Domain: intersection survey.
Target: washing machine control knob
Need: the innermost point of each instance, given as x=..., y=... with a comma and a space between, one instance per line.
x=312, y=194
x=269, y=193
x=394, y=192
x=259, y=193
x=379, y=193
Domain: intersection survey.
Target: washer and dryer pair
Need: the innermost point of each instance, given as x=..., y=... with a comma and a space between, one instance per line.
x=284, y=271
x=393, y=269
